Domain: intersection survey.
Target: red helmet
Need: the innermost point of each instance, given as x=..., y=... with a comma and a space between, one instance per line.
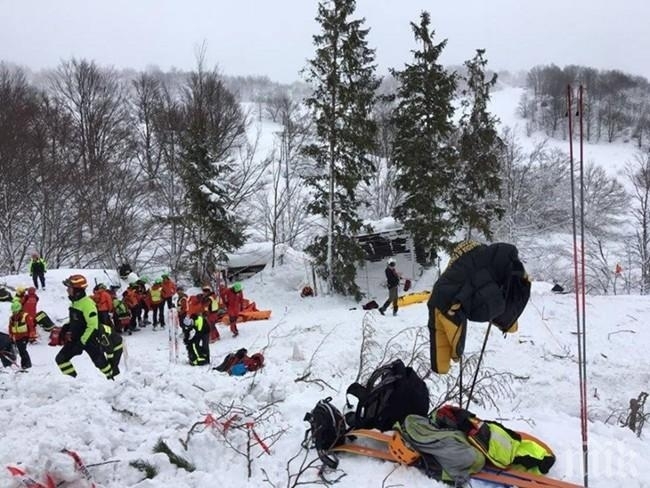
x=76, y=281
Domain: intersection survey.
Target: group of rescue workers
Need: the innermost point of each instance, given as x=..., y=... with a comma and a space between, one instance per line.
x=96, y=322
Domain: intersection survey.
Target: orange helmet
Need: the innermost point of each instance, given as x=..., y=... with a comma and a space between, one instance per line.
x=401, y=451
x=76, y=281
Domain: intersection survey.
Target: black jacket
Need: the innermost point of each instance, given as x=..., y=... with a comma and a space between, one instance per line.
x=489, y=282
x=392, y=278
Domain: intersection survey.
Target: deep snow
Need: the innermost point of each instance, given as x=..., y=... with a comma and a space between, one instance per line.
x=42, y=411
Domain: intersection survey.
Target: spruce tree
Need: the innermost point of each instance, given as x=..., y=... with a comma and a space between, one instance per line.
x=476, y=200
x=423, y=150
x=342, y=76
x=215, y=127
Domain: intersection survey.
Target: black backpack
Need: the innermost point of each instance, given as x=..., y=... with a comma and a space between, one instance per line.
x=326, y=430
x=392, y=392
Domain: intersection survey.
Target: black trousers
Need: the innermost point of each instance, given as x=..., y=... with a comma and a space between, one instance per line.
x=25, y=360
x=36, y=277
x=94, y=349
x=114, y=351
x=159, y=314
x=198, y=348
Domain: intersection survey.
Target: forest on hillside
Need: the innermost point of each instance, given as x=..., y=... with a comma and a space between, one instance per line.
x=165, y=169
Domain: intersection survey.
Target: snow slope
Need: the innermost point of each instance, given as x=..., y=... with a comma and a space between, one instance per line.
x=42, y=411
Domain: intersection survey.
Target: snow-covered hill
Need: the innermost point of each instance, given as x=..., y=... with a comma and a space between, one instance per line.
x=43, y=412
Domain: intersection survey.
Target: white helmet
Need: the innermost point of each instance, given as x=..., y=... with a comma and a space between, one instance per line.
x=391, y=262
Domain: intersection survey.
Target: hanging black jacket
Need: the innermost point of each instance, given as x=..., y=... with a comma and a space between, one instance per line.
x=488, y=281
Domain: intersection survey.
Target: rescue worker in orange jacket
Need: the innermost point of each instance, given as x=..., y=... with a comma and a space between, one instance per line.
x=131, y=299
x=29, y=303
x=104, y=302
x=168, y=290
x=234, y=302
x=20, y=323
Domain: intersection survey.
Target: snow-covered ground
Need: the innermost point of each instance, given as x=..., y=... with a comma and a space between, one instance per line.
x=43, y=412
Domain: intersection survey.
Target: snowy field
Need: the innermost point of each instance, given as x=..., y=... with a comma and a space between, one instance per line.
x=43, y=412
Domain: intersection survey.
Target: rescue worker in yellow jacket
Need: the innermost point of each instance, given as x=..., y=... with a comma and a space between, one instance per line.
x=20, y=325
x=82, y=332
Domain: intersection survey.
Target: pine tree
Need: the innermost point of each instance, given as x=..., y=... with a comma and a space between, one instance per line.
x=344, y=85
x=475, y=203
x=423, y=152
x=214, y=128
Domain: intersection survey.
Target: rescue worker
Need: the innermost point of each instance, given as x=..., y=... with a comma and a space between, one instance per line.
x=157, y=303
x=234, y=301
x=196, y=330
x=131, y=299
x=82, y=332
x=29, y=303
x=121, y=316
x=37, y=270
x=104, y=302
x=211, y=311
x=113, y=346
x=392, y=282
x=145, y=303
x=168, y=290
x=20, y=325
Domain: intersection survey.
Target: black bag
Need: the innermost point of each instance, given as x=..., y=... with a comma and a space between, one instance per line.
x=392, y=392
x=326, y=430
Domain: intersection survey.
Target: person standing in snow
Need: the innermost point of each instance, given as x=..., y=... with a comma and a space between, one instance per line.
x=29, y=303
x=168, y=290
x=82, y=332
x=157, y=303
x=233, y=298
x=104, y=302
x=211, y=311
x=197, y=332
x=20, y=325
x=37, y=270
x=392, y=282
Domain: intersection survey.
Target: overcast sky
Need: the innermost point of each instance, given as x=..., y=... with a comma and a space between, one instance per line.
x=274, y=37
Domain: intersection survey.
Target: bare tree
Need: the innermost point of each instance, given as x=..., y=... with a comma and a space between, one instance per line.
x=18, y=109
x=638, y=172
x=95, y=101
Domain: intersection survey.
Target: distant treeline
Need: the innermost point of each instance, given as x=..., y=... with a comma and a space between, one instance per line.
x=617, y=104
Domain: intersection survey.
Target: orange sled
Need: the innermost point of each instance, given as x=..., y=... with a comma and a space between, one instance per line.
x=246, y=315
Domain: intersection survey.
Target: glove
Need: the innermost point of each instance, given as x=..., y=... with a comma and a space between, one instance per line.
x=191, y=334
